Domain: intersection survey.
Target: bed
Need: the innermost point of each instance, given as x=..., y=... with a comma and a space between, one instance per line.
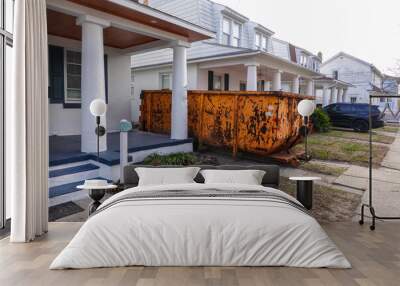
x=198, y=224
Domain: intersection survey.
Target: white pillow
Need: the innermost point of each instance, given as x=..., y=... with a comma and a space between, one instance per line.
x=166, y=176
x=247, y=177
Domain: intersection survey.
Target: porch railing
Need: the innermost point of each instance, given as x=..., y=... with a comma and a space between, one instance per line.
x=257, y=122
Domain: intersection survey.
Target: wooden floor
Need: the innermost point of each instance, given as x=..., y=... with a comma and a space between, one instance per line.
x=375, y=257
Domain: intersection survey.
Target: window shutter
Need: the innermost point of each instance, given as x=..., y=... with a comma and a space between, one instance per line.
x=56, y=74
x=226, y=81
x=210, y=80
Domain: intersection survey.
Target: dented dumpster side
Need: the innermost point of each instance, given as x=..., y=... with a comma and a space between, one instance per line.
x=256, y=122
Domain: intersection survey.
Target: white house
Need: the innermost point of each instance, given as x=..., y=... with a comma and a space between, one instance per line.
x=244, y=56
x=77, y=73
x=364, y=77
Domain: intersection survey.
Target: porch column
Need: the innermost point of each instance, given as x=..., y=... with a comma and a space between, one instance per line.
x=310, y=87
x=344, y=95
x=325, y=95
x=277, y=80
x=296, y=84
x=340, y=95
x=93, y=80
x=251, y=77
x=334, y=94
x=179, y=107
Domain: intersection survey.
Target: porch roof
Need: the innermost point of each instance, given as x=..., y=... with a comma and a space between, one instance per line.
x=133, y=26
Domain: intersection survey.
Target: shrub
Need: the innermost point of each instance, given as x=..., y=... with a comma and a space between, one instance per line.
x=321, y=120
x=183, y=159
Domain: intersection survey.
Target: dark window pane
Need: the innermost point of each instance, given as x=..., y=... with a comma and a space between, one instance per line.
x=73, y=82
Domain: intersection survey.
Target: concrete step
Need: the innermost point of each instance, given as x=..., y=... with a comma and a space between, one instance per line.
x=69, y=175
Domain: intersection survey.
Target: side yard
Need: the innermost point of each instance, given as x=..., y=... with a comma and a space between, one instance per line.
x=346, y=147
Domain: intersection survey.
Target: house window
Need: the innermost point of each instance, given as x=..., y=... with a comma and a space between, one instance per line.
x=165, y=81
x=243, y=86
x=258, y=41
x=335, y=74
x=236, y=34
x=226, y=31
x=73, y=64
x=231, y=32
x=264, y=43
x=217, y=82
x=303, y=60
x=353, y=99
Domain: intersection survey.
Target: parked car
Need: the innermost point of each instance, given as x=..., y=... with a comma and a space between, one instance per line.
x=354, y=115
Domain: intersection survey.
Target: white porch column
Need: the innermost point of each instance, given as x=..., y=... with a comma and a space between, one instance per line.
x=93, y=81
x=310, y=87
x=340, y=95
x=277, y=80
x=344, y=95
x=296, y=84
x=179, y=108
x=325, y=95
x=334, y=95
x=251, y=77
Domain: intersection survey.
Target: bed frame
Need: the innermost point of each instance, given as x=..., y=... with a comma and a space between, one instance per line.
x=270, y=179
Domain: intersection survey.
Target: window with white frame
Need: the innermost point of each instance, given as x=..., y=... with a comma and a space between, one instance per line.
x=303, y=59
x=231, y=32
x=73, y=63
x=264, y=43
x=236, y=32
x=258, y=41
x=217, y=82
x=165, y=81
x=226, y=31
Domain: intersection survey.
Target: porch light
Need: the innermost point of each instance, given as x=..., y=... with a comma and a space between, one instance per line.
x=98, y=108
x=305, y=108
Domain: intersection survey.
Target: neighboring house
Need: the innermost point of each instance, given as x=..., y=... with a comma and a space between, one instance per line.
x=364, y=76
x=243, y=56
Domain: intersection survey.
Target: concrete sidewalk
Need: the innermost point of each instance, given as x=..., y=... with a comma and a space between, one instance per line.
x=385, y=182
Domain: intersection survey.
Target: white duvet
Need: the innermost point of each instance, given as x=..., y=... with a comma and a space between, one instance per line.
x=200, y=232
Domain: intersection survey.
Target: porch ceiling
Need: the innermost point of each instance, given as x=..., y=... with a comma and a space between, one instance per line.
x=130, y=10
x=63, y=25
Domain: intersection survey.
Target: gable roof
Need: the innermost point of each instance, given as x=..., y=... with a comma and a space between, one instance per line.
x=343, y=54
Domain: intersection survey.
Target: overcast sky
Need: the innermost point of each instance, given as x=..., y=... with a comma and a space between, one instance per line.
x=368, y=29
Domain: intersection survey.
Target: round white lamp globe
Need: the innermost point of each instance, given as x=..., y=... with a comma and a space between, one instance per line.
x=98, y=107
x=306, y=107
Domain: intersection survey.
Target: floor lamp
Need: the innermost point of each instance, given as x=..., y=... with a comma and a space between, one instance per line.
x=98, y=108
x=306, y=108
x=369, y=205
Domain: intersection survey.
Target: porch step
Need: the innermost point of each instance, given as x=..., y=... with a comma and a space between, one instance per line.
x=67, y=175
x=68, y=188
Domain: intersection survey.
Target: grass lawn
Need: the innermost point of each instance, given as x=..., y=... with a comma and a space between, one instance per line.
x=322, y=146
x=323, y=168
x=379, y=138
x=329, y=204
x=389, y=128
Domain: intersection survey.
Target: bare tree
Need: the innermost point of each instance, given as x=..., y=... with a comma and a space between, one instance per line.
x=395, y=70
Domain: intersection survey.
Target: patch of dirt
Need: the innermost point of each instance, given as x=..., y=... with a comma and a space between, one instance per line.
x=329, y=204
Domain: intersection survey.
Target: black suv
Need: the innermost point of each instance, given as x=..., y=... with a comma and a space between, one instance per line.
x=354, y=115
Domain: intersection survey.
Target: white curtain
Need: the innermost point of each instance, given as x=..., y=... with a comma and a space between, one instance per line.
x=27, y=123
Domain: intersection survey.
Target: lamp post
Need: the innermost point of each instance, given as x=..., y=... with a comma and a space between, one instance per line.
x=306, y=108
x=98, y=108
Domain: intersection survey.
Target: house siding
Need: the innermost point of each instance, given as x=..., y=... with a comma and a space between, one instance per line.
x=352, y=71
